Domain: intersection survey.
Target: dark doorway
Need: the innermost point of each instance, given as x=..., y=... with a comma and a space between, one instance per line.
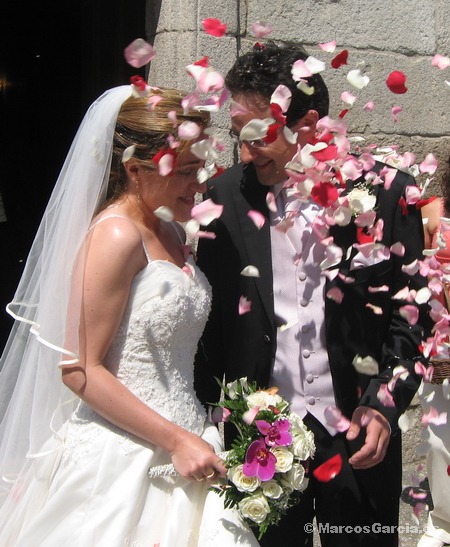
x=56, y=57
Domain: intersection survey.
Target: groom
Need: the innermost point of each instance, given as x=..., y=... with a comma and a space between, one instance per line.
x=294, y=336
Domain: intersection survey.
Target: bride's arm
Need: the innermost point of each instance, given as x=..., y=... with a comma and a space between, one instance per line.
x=115, y=255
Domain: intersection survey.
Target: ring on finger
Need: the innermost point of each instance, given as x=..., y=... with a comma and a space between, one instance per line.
x=211, y=475
x=199, y=480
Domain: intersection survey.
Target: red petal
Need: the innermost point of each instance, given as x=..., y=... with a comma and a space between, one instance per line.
x=340, y=59
x=448, y=470
x=277, y=113
x=326, y=154
x=272, y=133
x=329, y=469
x=396, y=82
x=422, y=202
x=202, y=62
x=219, y=171
x=324, y=193
x=214, y=27
x=139, y=82
x=363, y=237
x=403, y=205
x=343, y=113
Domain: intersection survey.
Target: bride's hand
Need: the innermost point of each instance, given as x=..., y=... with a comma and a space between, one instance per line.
x=195, y=459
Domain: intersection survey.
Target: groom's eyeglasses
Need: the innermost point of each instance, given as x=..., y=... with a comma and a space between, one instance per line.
x=257, y=143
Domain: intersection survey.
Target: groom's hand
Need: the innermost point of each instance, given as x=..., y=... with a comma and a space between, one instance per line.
x=378, y=433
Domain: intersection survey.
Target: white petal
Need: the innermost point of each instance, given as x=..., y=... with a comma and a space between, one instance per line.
x=357, y=79
x=255, y=129
x=164, y=213
x=305, y=88
x=250, y=271
x=128, y=153
x=314, y=65
x=282, y=96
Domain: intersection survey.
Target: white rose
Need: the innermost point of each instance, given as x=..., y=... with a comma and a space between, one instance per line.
x=302, y=438
x=361, y=201
x=232, y=387
x=241, y=481
x=295, y=477
x=272, y=489
x=262, y=399
x=284, y=458
x=255, y=508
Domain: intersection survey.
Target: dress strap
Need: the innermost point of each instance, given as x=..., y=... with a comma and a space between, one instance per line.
x=147, y=254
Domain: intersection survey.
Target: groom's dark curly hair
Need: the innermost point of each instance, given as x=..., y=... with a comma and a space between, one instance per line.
x=268, y=65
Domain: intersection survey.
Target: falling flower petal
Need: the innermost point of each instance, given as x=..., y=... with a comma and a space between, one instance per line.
x=244, y=305
x=305, y=88
x=255, y=129
x=365, y=365
x=172, y=116
x=403, y=423
x=395, y=111
x=261, y=29
x=210, y=80
x=271, y=203
x=163, y=213
x=410, y=313
x=446, y=389
x=139, y=53
x=383, y=288
x=206, y=211
x=368, y=107
x=165, y=160
x=336, y=294
x=397, y=249
x=336, y=419
x=357, y=79
x=385, y=396
x=250, y=271
x=433, y=417
x=237, y=109
x=440, y=61
x=249, y=416
x=329, y=469
x=429, y=164
x=396, y=82
x=329, y=47
x=348, y=98
x=188, y=130
x=153, y=101
x=128, y=153
x=282, y=97
x=214, y=27
x=258, y=218
x=340, y=59
x=376, y=309
x=315, y=65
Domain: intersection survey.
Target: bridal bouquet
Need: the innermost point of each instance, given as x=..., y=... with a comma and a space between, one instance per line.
x=266, y=463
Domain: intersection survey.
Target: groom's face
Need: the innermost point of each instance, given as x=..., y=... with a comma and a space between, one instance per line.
x=269, y=160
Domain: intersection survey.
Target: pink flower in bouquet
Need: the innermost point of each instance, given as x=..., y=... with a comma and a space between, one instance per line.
x=259, y=461
x=276, y=434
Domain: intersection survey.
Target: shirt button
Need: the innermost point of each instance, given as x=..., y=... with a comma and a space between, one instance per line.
x=302, y=276
x=304, y=302
x=306, y=353
x=309, y=378
x=311, y=401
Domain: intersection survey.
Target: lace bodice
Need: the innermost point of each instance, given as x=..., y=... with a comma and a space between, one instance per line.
x=154, y=349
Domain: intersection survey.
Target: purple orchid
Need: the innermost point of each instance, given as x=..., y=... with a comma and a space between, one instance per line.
x=276, y=434
x=259, y=461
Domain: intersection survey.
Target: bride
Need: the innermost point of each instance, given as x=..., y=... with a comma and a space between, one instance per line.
x=112, y=303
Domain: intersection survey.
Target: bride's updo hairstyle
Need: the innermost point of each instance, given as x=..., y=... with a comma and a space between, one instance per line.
x=148, y=124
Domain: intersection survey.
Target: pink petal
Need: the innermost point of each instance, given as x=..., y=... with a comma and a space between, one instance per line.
x=214, y=27
x=300, y=71
x=206, y=211
x=244, y=305
x=397, y=249
x=382, y=288
x=336, y=294
x=271, y=203
x=429, y=164
x=368, y=107
x=172, y=116
x=410, y=313
x=166, y=164
x=433, y=417
x=261, y=29
x=336, y=419
x=440, y=61
x=385, y=397
x=282, y=97
x=139, y=53
x=188, y=130
x=220, y=414
x=395, y=111
x=153, y=101
x=237, y=109
x=249, y=416
x=329, y=47
x=376, y=309
x=258, y=218
x=348, y=98
x=210, y=80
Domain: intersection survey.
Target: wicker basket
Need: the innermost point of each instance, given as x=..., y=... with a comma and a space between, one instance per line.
x=441, y=370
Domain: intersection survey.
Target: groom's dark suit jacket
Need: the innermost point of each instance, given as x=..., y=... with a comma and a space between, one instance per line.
x=244, y=345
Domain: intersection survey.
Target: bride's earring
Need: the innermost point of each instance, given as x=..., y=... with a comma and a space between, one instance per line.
x=138, y=195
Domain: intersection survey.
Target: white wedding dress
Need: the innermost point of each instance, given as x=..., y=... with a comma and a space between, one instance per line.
x=91, y=489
